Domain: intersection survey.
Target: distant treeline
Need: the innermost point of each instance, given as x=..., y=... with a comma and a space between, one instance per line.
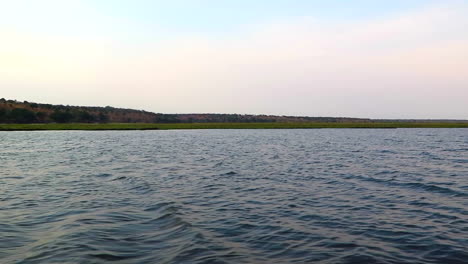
x=236, y=118
x=12, y=111
x=17, y=112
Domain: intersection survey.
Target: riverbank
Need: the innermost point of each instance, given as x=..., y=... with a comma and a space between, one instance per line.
x=291, y=125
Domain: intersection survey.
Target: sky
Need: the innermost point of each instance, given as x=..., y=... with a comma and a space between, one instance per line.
x=356, y=58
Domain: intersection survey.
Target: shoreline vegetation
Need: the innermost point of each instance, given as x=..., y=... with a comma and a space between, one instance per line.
x=27, y=116
x=173, y=126
x=17, y=112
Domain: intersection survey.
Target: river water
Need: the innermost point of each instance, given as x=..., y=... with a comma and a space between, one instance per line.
x=234, y=196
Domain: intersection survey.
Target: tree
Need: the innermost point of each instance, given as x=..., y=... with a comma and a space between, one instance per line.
x=103, y=118
x=3, y=115
x=41, y=117
x=61, y=116
x=85, y=117
x=21, y=115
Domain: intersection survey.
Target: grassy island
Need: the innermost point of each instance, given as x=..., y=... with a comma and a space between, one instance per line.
x=288, y=125
x=28, y=116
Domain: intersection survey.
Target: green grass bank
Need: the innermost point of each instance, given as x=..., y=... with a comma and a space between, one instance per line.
x=145, y=126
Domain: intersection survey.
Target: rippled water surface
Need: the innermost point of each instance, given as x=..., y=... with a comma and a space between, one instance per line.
x=235, y=196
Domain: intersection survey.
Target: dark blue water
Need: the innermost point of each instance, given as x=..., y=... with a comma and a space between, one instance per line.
x=235, y=196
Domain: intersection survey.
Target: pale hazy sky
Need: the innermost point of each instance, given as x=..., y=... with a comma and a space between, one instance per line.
x=360, y=58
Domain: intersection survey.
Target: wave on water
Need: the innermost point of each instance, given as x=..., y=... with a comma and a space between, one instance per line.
x=235, y=196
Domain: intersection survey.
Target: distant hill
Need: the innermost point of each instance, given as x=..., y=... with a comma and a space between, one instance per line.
x=13, y=111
